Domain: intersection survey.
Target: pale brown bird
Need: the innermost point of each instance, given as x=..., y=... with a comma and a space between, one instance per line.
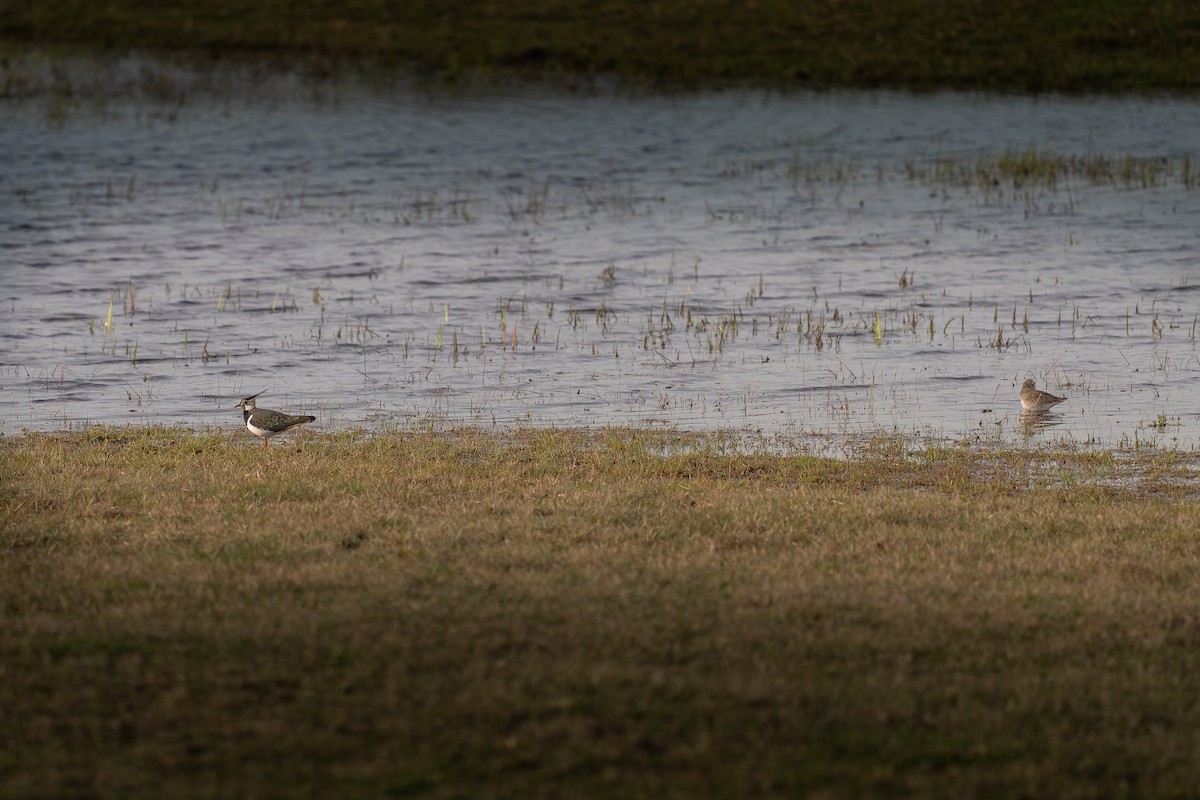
x=1034, y=399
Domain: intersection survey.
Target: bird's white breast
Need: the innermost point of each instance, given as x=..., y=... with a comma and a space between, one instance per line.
x=257, y=431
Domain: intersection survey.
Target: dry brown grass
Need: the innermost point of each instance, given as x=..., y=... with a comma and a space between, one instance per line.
x=564, y=614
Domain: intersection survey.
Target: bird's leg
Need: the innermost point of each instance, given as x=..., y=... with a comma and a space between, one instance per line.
x=265, y=443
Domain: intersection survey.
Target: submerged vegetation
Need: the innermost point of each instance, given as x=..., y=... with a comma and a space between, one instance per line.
x=671, y=311
x=1078, y=45
x=1033, y=168
x=621, y=612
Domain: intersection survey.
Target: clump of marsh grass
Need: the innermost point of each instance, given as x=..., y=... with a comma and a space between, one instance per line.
x=1031, y=167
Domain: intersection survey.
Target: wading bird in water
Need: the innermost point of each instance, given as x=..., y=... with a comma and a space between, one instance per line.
x=1034, y=399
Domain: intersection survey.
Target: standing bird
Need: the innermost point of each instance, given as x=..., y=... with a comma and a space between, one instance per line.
x=265, y=423
x=1034, y=399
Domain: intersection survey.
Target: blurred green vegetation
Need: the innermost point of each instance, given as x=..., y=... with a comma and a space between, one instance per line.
x=1018, y=45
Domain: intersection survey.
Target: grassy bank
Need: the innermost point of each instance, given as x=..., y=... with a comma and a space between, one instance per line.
x=564, y=614
x=1025, y=46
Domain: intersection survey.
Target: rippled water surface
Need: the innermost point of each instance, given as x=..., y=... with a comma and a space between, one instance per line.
x=802, y=267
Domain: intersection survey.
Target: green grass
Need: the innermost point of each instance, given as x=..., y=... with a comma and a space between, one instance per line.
x=560, y=613
x=1114, y=45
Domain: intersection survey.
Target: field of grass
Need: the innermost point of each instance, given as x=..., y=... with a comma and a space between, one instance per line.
x=1114, y=45
x=569, y=614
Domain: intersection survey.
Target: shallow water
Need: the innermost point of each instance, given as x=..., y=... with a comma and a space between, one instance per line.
x=804, y=268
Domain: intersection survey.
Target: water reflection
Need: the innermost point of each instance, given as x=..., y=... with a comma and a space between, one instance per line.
x=808, y=266
x=1036, y=420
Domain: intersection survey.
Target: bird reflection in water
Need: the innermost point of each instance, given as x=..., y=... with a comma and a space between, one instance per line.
x=1036, y=420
